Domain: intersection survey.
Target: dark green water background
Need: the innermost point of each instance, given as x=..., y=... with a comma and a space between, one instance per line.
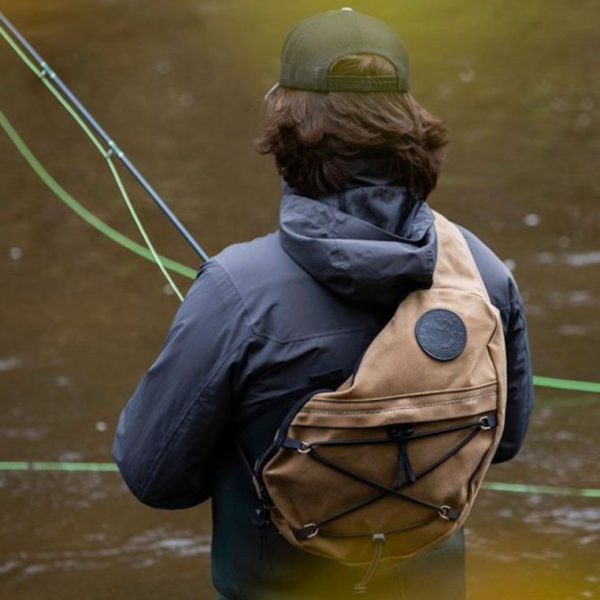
x=179, y=84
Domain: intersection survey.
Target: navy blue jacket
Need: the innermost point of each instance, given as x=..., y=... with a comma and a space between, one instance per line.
x=261, y=326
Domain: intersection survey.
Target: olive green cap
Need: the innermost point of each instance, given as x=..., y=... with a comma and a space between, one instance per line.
x=314, y=44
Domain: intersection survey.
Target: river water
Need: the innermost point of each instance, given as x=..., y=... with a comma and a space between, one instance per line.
x=180, y=86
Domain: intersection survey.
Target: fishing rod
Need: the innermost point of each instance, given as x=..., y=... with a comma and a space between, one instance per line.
x=163, y=262
x=51, y=79
x=46, y=72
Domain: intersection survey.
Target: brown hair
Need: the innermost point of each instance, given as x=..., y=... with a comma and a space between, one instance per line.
x=314, y=136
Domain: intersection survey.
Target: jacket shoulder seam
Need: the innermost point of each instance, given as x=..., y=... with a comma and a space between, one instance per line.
x=259, y=334
x=248, y=317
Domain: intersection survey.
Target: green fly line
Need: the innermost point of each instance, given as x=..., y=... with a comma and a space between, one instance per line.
x=166, y=264
x=107, y=153
x=81, y=211
x=149, y=253
x=176, y=267
x=109, y=467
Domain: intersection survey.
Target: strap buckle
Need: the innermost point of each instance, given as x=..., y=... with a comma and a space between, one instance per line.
x=310, y=530
x=304, y=448
x=448, y=513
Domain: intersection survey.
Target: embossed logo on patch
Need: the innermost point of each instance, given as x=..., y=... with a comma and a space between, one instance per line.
x=441, y=334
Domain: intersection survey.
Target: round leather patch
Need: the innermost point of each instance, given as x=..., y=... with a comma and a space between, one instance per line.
x=441, y=334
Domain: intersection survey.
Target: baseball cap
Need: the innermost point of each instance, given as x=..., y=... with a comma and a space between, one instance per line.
x=316, y=43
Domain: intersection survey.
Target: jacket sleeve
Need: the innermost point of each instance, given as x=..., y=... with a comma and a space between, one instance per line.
x=520, y=396
x=169, y=428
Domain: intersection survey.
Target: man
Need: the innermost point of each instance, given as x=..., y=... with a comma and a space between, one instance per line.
x=270, y=320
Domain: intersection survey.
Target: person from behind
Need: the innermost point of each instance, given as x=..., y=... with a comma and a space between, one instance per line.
x=270, y=321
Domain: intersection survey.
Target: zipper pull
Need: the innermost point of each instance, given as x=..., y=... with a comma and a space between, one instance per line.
x=262, y=520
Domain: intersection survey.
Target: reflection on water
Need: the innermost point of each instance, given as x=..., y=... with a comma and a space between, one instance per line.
x=9, y=363
x=180, y=86
x=147, y=549
x=585, y=259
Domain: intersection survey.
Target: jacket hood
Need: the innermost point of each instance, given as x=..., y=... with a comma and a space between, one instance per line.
x=373, y=242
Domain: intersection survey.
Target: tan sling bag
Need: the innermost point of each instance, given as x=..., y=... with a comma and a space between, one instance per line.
x=389, y=464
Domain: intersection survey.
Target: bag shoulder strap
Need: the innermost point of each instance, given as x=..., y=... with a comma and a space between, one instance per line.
x=455, y=266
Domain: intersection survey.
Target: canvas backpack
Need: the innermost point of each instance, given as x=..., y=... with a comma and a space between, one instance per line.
x=389, y=464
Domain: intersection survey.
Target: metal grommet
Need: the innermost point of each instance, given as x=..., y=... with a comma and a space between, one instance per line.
x=304, y=448
x=310, y=530
x=444, y=512
x=484, y=423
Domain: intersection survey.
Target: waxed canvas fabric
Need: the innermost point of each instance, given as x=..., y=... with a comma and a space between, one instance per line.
x=397, y=382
